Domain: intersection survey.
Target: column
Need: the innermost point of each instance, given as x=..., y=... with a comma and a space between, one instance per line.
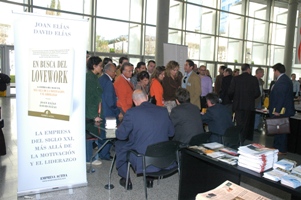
x=161, y=30
x=289, y=38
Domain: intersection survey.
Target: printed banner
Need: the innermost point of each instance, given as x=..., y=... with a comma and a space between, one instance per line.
x=50, y=90
x=50, y=57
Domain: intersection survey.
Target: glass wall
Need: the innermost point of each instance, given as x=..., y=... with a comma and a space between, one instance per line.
x=217, y=32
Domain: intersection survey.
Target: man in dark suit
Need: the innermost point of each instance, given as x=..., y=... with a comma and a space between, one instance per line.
x=185, y=117
x=142, y=126
x=108, y=104
x=223, y=94
x=281, y=96
x=218, y=117
x=109, y=100
x=244, y=89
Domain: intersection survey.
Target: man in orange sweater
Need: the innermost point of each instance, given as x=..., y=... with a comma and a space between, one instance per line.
x=124, y=88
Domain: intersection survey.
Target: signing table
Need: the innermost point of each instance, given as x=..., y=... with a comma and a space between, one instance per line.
x=200, y=173
x=97, y=130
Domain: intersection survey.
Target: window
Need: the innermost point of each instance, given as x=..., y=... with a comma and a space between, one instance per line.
x=279, y=33
x=174, y=36
x=175, y=15
x=234, y=6
x=150, y=41
x=277, y=55
x=204, y=24
x=200, y=46
x=6, y=22
x=111, y=41
x=255, y=53
x=79, y=6
x=280, y=15
x=258, y=10
x=257, y=30
x=151, y=12
x=230, y=25
x=121, y=9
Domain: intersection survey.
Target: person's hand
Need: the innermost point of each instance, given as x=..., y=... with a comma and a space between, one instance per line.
x=97, y=119
x=120, y=116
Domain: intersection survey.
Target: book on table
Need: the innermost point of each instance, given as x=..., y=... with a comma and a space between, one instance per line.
x=257, y=157
x=297, y=170
x=285, y=164
x=229, y=159
x=201, y=149
x=230, y=151
x=216, y=154
x=213, y=145
x=291, y=180
x=275, y=174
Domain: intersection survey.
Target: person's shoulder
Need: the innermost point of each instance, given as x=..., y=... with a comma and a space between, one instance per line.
x=104, y=77
x=194, y=76
x=118, y=80
x=186, y=107
x=155, y=83
x=190, y=105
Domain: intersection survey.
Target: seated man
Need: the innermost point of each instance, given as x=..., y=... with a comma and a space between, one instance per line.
x=217, y=116
x=185, y=117
x=142, y=126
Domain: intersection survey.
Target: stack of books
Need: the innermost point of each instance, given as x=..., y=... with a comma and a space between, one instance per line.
x=291, y=180
x=286, y=172
x=257, y=157
x=275, y=174
x=297, y=170
x=285, y=164
x=294, y=178
x=217, y=151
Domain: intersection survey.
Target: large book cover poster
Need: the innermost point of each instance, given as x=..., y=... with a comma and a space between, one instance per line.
x=50, y=83
x=50, y=57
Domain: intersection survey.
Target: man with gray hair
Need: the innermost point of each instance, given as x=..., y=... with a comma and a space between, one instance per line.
x=259, y=73
x=142, y=126
x=109, y=104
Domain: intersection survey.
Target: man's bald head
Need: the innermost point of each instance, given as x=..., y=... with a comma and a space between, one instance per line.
x=139, y=97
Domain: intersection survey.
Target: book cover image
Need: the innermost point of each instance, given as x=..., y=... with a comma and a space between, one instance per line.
x=50, y=83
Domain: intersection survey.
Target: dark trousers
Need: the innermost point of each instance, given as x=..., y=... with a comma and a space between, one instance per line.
x=203, y=102
x=245, y=119
x=280, y=142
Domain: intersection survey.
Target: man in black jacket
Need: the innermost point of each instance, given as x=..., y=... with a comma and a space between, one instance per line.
x=185, y=117
x=244, y=89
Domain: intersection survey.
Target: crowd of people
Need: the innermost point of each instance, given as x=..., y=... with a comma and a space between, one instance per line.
x=156, y=103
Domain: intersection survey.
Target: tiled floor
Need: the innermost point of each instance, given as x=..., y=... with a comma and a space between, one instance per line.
x=168, y=188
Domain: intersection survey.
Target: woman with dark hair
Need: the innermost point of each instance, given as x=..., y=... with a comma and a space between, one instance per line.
x=93, y=100
x=156, y=88
x=171, y=82
x=143, y=80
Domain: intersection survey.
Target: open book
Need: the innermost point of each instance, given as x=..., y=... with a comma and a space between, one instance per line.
x=229, y=191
